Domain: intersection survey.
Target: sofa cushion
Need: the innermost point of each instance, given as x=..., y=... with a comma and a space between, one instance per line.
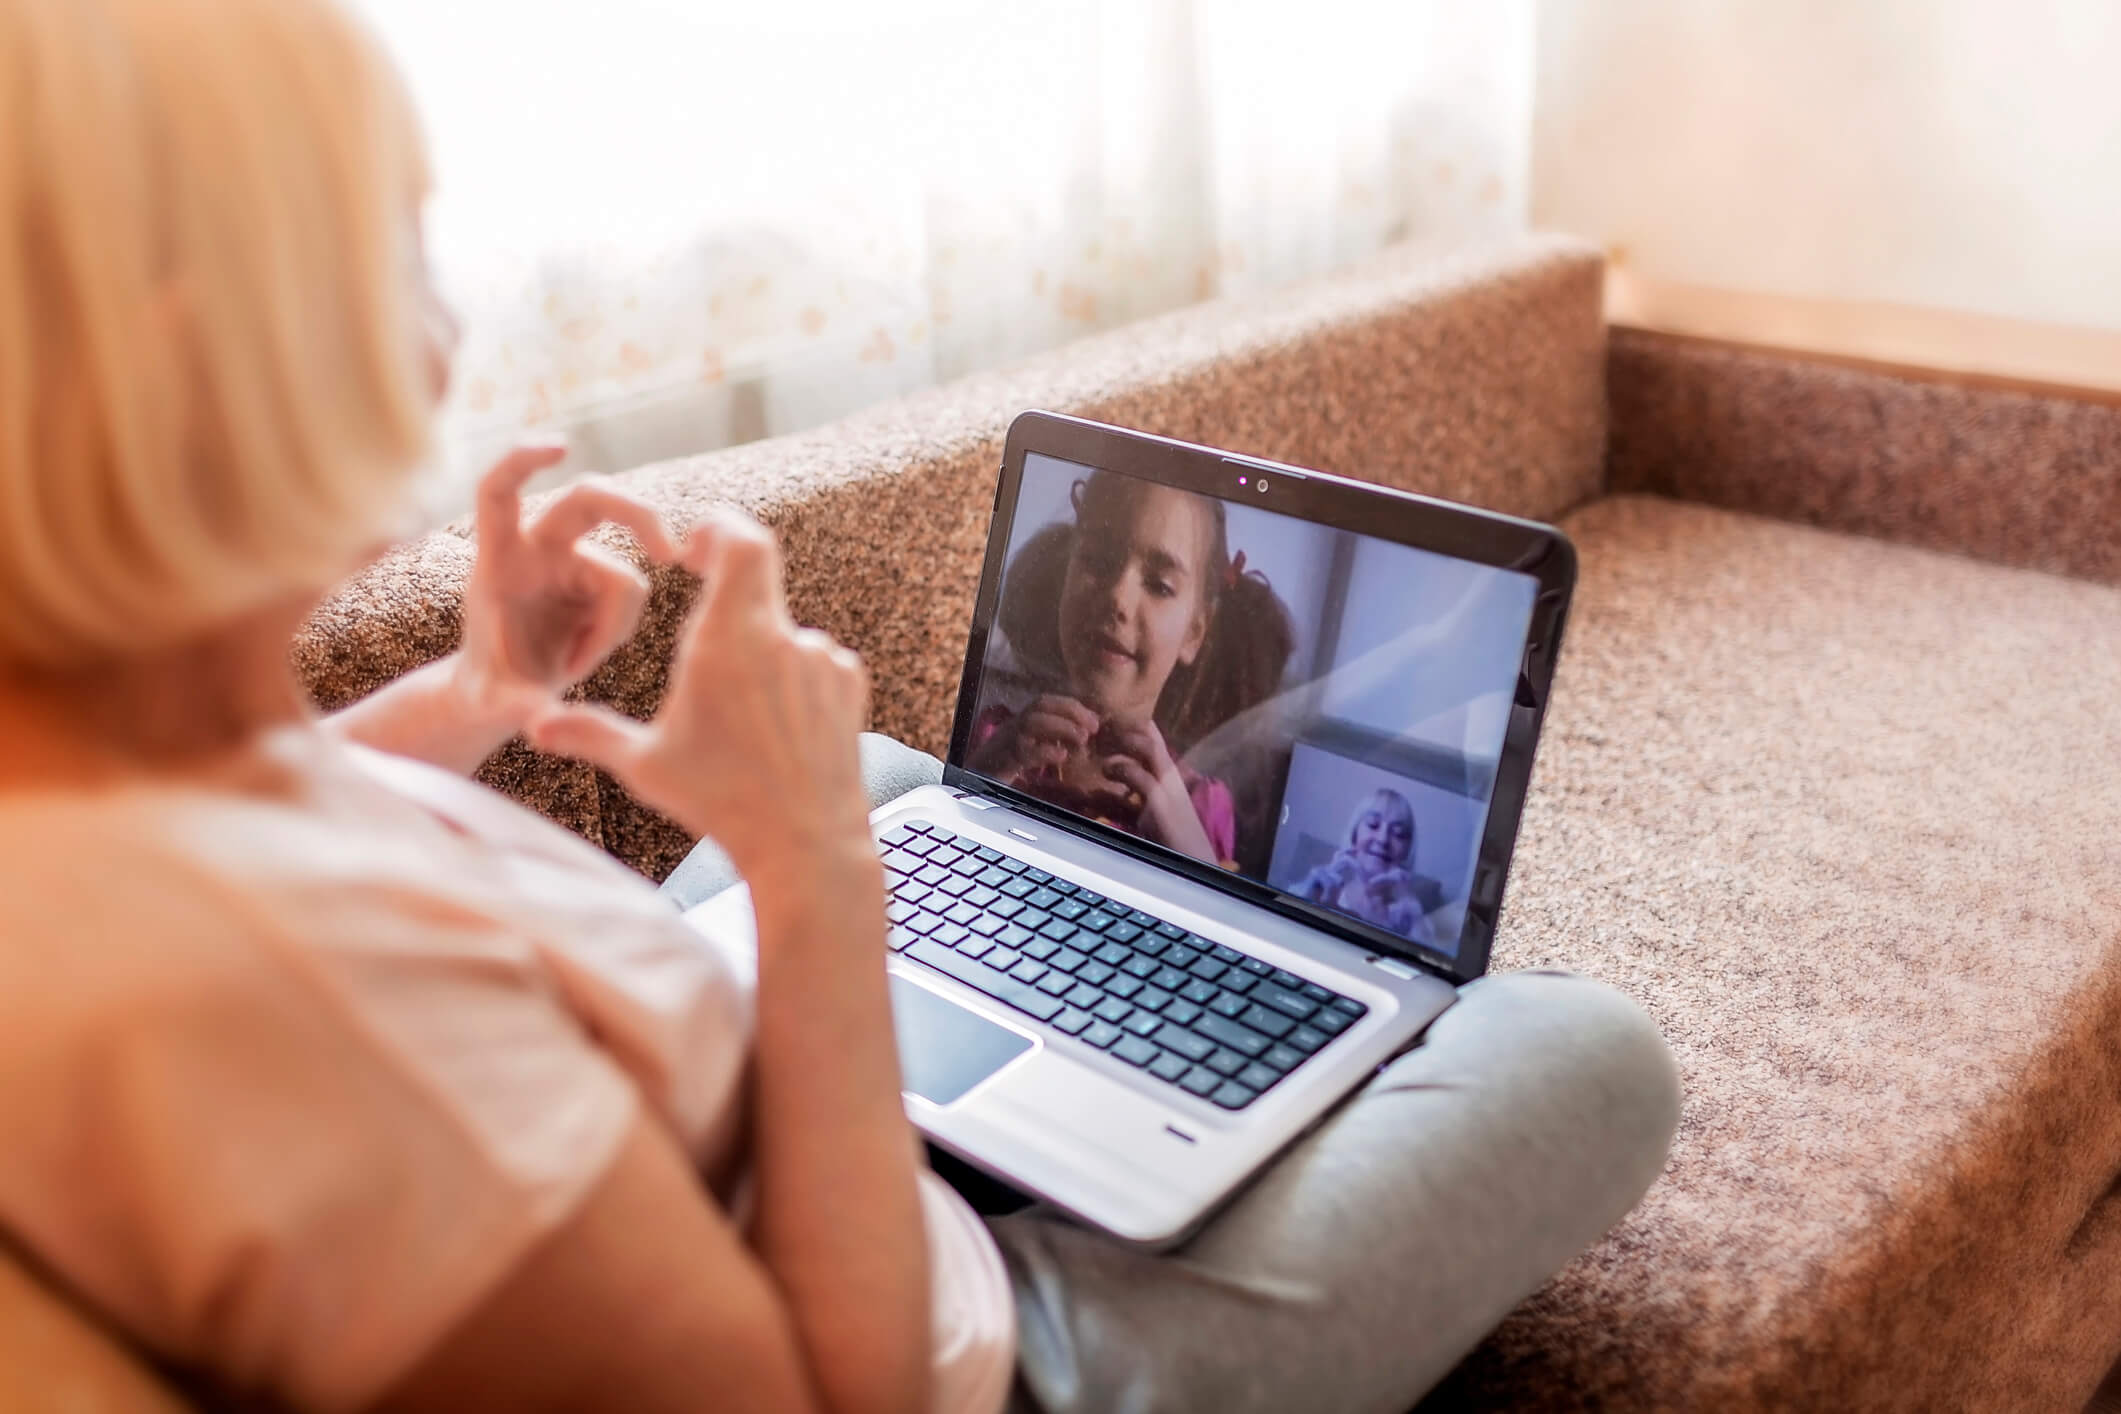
x=1846, y=818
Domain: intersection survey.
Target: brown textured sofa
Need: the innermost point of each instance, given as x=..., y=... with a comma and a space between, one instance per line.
x=1831, y=784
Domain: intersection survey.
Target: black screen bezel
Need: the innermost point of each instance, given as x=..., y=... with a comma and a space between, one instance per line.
x=1481, y=537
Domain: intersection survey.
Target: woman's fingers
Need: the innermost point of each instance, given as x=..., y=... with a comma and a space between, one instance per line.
x=618, y=594
x=594, y=734
x=498, y=511
x=586, y=505
x=1070, y=709
x=1131, y=774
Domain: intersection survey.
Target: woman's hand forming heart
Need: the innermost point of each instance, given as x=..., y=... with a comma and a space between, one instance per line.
x=1139, y=759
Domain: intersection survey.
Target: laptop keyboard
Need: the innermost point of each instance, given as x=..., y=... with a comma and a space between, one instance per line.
x=1197, y=1015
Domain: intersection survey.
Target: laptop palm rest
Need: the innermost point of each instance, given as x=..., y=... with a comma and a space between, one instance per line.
x=945, y=1051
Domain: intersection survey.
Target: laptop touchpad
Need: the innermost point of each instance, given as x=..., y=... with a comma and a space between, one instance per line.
x=943, y=1049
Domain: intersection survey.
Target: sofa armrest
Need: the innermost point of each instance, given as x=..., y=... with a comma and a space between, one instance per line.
x=2017, y=473
x=1474, y=375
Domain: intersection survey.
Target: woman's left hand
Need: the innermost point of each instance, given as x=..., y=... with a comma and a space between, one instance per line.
x=1143, y=763
x=543, y=607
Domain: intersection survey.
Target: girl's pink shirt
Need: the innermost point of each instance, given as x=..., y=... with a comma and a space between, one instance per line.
x=300, y=1056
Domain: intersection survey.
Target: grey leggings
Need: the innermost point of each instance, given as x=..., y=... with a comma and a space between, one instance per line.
x=1370, y=1258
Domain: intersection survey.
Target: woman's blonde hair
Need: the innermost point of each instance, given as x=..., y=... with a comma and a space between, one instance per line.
x=213, y=391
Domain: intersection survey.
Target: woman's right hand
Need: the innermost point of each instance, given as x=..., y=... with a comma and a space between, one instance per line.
x=756, y=742
x=1047, y=733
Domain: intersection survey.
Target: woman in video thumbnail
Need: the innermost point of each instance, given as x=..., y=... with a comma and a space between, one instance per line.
x=1159, y=635
x=1372, y=876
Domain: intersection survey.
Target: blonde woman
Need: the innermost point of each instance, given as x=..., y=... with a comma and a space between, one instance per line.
x=330, y=1077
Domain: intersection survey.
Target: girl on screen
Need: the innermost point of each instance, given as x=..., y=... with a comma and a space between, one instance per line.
x=1372, y=876
x=1150, y=635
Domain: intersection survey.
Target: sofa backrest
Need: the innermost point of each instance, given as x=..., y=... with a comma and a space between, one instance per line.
x=1476, y=375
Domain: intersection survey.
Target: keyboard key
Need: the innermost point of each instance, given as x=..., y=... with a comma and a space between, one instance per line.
x=924, y=922
x=1225, y=1032
x=1043, y=898
x=986, y=925
x=1199, y=993
x=1293, y=1004
x=1138, y=966
x=1226, y=1004
x=1017, y=888
x=1097, y=921
x=1349, y=1005
x=922, y=827
x=1088, y=899
x=1084, y=995
x=898, y=939
x=1072, y=1021
x=1004, y=958
x=1258, y=1077
x=1012, y=866
x=1065, y=960
x=910, y=892
x=1226, y=1062
x=1147, y=944
x=1002, y=906
x=1273, y=1023
x=1179, y=955
x=900, y=862
x=1033, y=918
x=1097, y=974
x=988, y=853
x=1038, y=876
x=957, y=886
x=1207, y=969
x=1168, y=1067
x=1287, y=979
x=1124, y=986
x=1112, y=1009
x=1113, y=954
x=1120, y=932
x=1305, y=1039
x=1282, y=1057
x=898, y=834
x=1171, y=979
x=1171, y=931
x=1233, y=1096
x=971, y=945
x=1101, y=1034
x=1141, y=1023
x=1135, y=1051
x=962, y=912
x=1070, y=909
x=1040, y=948
x=1228, y=957
x=981, y=897
x=1054, y=983
x=1192, y=1047
x=1200, y=1081
x=995, y=984
x=1014, y=936
x=1257, y=968
x=1317, y=993
x=1060, y=886
x=991, y=877
x=1029, y=970
x=950, y=935
x=1058, y=929
x=1144, y=920
x=1332, y=1022
x=1152, y=998
x=1238, y=981
x=1182, y=1012
x=932, y=875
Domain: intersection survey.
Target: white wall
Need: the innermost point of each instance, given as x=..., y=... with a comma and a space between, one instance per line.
x=1957, y=154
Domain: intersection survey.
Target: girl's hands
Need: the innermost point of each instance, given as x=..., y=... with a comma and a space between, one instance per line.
x=1049, y=731
x=756, y=742
x=542, y=608
x=1142, y=762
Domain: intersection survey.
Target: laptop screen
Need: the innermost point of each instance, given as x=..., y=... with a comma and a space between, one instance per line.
x=1319, y=710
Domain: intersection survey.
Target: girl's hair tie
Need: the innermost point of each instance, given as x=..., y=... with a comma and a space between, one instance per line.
x=1235, y=571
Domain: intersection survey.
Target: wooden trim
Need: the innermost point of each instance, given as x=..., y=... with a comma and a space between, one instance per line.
x=2049, y=359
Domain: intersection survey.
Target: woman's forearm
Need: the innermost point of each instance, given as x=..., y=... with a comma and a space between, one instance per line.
x=839, y=1214
x=433, y=714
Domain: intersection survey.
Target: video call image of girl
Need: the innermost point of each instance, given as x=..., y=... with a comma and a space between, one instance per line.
x=1372, y=875
x=1145, y=634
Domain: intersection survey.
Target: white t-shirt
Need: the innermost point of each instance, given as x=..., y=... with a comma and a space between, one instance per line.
x=299, y=1056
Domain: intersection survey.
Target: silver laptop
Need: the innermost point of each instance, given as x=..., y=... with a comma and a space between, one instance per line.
x=1229, y=804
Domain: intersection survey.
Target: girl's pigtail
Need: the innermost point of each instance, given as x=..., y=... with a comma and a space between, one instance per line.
x=1241, y=659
